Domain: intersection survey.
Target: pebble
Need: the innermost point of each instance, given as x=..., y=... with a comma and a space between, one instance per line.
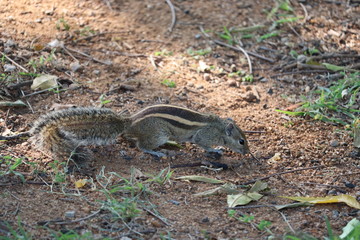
x=349, y=185
x=70, y=214
x=9, y=68
x=334, y=143
x=232, y=83
x=96, y=72
x=197, y=36
x=75, y=66
x=9, y=43
x=207, y=77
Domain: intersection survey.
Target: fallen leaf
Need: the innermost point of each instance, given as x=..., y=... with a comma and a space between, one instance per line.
x=293, y=205
x=227, y=188
x=45, y=81
x=344, y=198
x=80, y=183
x=258, y=186
x=242, y=198
x=275, y=158
x=17, y=103
x=200, y=179
x=350, y=226
x=356, y=129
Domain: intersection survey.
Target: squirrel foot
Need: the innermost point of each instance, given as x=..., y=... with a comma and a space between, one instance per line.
x=154, y=153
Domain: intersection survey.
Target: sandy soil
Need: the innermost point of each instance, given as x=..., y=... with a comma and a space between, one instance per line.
x=138, y=51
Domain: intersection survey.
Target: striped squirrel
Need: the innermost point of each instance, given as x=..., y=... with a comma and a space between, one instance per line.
x=64, y=132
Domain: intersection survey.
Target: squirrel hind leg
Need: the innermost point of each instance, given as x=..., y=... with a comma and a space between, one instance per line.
x=148, y=144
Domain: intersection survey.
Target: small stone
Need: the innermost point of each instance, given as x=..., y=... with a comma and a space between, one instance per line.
x=200, y=87
x=70, y=214
x=197, y=36
x=335, y=213
x=270, y=91
x=49, y=12
x=39, y=20
x=232, y=83
x=9, y=43
x=9, y=68
x=96, y=72
x=264, y=80
x=205, y=220
x=75, y=66
x=349, y=185
x=334, y=143
x=190, y=84
x=207, y=77
x=7, y=50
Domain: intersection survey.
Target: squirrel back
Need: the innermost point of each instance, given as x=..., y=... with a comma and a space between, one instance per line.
x=62, y=132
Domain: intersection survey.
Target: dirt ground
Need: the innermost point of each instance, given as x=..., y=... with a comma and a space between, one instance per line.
x=126, y=68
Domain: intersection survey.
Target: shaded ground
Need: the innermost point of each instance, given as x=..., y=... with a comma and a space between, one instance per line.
x=137, y=30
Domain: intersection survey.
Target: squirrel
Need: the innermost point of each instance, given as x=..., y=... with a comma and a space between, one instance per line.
x=64, y=133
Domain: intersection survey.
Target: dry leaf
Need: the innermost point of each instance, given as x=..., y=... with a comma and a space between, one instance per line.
x=275, y=158
x=200, y=179
x=44, y=81
x=80, y=183
x=344, y=198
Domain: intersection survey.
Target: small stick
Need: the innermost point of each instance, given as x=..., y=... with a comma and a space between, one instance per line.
x=41, y=91
x=305, y=11
x=156, y=216
x=31, y=108
x=234, y=48
x=99, y=34
x=299, y=72
x=283, y=216
x=19, y=85
x=69, y=222
x=251, y=206
x=254, y=131
x=173, y=15
x=324, y=185
x=247, y=57
x=281, y=173
x=88, y=56
x=13, y=62
x=248, y=52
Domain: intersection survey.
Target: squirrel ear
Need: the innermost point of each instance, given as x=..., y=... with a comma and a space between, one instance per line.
x=229, y=129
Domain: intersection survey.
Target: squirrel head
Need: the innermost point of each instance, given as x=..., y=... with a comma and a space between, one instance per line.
x=234, y=138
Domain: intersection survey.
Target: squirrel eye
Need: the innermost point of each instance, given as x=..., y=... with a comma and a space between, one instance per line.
x=241, y=141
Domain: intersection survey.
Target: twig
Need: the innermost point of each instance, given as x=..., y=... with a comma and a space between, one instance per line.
x=254, y=157
x=69, y=222
x=41, y=91
x=13, y=62
x=299, y=72
x=254, y=131
x=234, y=48
x=251, y=206
x=70, y=54
x=24, y=134
x=99, y=34
x=19, y=85
x=152, y=61
x=238, y=50
x=281, y=173
x=247, y=57
x=173, y=15
x=305, y=11
x=28, y=103
x=156, y=216
x=86, y=55
x=283, y=216
x=324, y=185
